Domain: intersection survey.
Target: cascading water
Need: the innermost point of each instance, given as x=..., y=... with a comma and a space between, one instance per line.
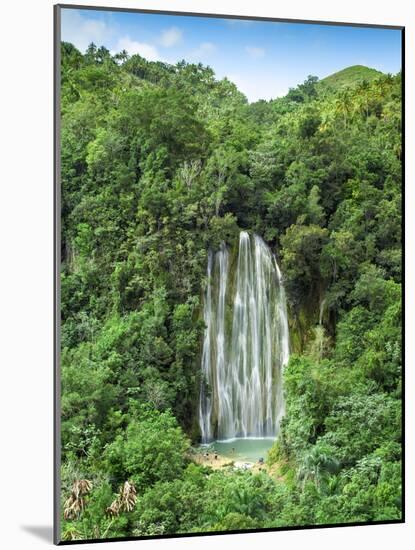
x=246, y=344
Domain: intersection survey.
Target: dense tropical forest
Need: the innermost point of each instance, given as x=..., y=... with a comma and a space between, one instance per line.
x=160, y=164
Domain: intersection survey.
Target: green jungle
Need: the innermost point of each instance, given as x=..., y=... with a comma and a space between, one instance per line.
x=160, y=164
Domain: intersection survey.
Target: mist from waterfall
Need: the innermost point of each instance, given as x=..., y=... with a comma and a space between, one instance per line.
x=246, y=343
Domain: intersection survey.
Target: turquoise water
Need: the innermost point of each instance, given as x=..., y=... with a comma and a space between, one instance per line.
x=249, y=450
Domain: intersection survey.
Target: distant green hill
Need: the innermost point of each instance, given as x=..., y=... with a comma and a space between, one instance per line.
x=349, y=77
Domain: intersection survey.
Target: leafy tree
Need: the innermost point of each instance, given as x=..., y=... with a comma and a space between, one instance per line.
x=151, y=449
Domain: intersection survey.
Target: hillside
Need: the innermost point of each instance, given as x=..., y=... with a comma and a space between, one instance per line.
x=350, y=76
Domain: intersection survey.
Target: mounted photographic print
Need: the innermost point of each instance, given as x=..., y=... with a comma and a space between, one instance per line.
x=228, y=274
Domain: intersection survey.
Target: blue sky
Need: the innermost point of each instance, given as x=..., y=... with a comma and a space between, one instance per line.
x=263, y=58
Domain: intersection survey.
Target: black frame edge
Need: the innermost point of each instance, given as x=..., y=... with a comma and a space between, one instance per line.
x=403, y=267
x=56, y=269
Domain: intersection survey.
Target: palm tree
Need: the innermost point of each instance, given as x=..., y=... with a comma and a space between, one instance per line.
x=343, y=105
x=247, y=503
x=361, y=97
x=317, y=465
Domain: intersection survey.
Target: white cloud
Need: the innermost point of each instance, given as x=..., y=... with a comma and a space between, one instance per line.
x=204, y=50
x=171, y=37
x=81, y=31
x=132, y=47
x=254, y=52
x=241, y=22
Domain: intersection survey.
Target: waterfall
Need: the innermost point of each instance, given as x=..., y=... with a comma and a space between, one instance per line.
x=322, y=306
x=205, y=403
x=245, y=345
